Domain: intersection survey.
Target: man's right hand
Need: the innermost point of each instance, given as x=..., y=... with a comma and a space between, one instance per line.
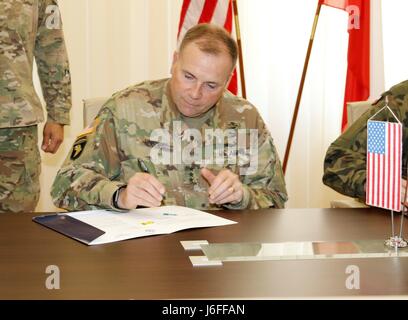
x=143, y=190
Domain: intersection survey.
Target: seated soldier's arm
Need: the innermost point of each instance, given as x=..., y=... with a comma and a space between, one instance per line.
x=89, y=177
x=345, y=170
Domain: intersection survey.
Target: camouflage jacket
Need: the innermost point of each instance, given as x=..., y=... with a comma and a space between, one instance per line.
x=142, y=125
x=345, y=162
x=28, y=29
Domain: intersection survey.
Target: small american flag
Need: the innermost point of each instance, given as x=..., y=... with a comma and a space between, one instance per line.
x=384, y=159
x=217, y=12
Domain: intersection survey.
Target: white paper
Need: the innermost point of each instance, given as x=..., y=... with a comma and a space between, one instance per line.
x=146, y=222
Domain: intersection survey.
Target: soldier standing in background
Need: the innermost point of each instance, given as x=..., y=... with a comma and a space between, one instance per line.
x=345, y=161
x=149, y=144
x=30, y=29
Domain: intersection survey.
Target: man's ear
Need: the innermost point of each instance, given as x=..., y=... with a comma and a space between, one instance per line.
x=175, y=59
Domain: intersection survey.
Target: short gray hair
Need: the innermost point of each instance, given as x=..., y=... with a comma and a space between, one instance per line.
x=211, y=39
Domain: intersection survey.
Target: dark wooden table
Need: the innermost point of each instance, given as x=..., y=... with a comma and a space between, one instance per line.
x=159, y=268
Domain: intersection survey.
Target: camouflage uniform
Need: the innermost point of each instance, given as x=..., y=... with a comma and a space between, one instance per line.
x=345, y=162
x=107, y=155
x=28, y=29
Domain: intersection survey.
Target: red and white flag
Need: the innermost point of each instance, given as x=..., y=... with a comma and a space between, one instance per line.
x=384, y=165
x=218, y=12
x=358, y=69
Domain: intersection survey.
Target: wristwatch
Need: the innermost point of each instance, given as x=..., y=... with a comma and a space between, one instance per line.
x=115, y=197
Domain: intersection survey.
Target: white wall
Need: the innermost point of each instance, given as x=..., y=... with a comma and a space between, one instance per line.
x=113, y=44
x=395, y=47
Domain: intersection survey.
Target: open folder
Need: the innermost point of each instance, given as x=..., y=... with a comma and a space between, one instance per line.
x=103, y=226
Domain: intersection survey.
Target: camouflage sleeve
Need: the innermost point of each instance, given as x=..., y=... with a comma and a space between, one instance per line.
x=87, y=179
x=264, y=188
x=345, y=165
x=345, y=160
x=52, y=62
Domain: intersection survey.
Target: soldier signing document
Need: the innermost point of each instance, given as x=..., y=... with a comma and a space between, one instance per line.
x=181, y=141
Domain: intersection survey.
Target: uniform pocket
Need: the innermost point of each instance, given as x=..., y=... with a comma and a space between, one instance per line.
x=19, y=160
x=32, y=162
x=12, y=170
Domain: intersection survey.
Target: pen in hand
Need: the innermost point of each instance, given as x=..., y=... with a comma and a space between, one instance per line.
x=144, y=168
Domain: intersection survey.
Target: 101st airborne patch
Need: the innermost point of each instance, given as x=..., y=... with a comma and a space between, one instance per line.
x=78, y=147
x=82, y=139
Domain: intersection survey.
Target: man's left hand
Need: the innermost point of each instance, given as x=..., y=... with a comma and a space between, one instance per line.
x=225, y=187
x=53, y=135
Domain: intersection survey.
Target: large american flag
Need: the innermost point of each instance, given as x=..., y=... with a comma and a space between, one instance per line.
x=384, y=162
x=217, y=12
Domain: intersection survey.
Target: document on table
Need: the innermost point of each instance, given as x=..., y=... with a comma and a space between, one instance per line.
x=103, y=226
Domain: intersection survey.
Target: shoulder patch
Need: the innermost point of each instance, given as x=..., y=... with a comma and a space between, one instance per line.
x=78, y=148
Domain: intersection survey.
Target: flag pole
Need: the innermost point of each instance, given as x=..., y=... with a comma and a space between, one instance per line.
x=302, y=83
x=241, y=59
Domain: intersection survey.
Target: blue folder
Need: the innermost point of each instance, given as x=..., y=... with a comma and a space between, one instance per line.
x=70, y=227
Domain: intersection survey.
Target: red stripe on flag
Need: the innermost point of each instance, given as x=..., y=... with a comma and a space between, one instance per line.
x=392, y=169
x=399, y=163
x=208, y=11
x=233, y=85
x=184, y=8
x=367, y=185
x=377, y=180
x=378, y=188
x=372, y=178
x=228, y=20
x=388, y=170
x=368, y=179
x=384, y=176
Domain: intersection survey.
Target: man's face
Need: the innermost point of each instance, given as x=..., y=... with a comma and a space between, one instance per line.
x=198, y=79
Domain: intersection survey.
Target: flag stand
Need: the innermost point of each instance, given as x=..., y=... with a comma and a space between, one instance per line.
x=398, y=241
x=301, y=86
x=240, y=56
x=395, y=241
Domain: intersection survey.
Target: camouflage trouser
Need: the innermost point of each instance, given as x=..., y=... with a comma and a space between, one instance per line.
x=20, y=167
